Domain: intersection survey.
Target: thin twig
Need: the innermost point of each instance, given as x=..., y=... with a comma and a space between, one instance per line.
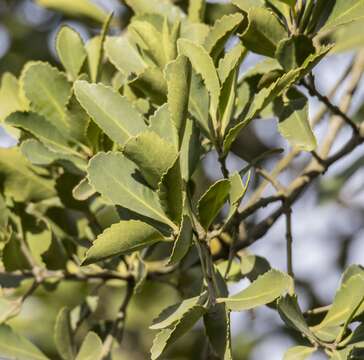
x=289, y=240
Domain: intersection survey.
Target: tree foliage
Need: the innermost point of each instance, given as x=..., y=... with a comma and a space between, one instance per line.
x=101, y=187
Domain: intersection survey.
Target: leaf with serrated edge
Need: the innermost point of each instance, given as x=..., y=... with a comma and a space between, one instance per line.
x=113, y=113
x=168, y=336
x=70, y=50
x=113, y=175
x=63, y=335
x=263, y=33
x=182, y=243
x=203, y=64
x=123, y=55
x=173, y=313
x=294, y=124
x=122, y=238
x=299, y=353
x=265, y=96
x=146, y=150
x=264, y=290
x=220, y=32
x=51, y=95
x=230, y=62
x=212, y=202
x=13, y=345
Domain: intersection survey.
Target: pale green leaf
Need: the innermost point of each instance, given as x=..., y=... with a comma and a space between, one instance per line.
x=161, y=7
x=196, y=10
x=266, y=95
x=10, y=96
x=182, y=243
x=299, y=353
x=161, y=123
x=63, y=336
x=168, y=336
x=347, y=298
x=212, y=202
x=113, y=113
x=264, y=290
x=39, y=154
x=203, y=64
x=123, y=55
x=343, y=12
x=174, y=313
x=79, y=8
x=152, y=154
x=220, y=33
x=70, y=50
x=195, y=32
x=264, y=32
x=91, y=348
x=246, y=5
x=16, y=347
x=83, y=190
x=230, y=62
x=20, y=180
x=50, y=95
x=294, y=123
x=113, y=175
x=178, y=77
x=122, y=238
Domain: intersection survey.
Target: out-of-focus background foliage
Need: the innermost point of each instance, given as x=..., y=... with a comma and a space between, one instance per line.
x=328, y=221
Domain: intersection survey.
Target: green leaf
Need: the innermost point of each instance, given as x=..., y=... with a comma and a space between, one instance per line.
x=190, y=150
x=70, y=50
x=182, y=243
x=291, y=314
x=264, y=32
x=343, y=12
x=347, y=298
x=12, y=255
x=178, y=77
x=230, y=62
x=39, y=154
x=20, y=181
x=294, y=124
x=50, y=95
x=83, y=190
x=174, y=313
x=14, y=346
x=113, y=113
x=47, y=133
x=122, y=238
x=203, y=64
x=217, y=325
x=292, y=52
x=170, y=192
x=10, y=98
x=63, y=336
x=91, y=347
x=220, y=33
x=113, y=175
x=168, y=336
x=95, y=50
x=79, y=8
x=299, y=353
x=161, y=7
x=262, y=291
x=267, y=95
x=212, y=202
x=196, y=10
x=124, y=56
x=246, y=5
x=161, y=123
x=152, y=154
